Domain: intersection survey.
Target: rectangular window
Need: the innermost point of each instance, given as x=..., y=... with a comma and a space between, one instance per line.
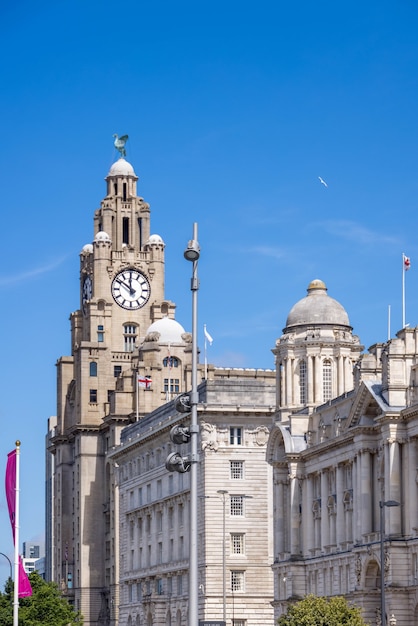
x=238, y=622
x=117, y=370
x=302, y=382
x=327, y=380
x=237, y=470
x=237, y=505
x=237, y=580
x=180, y=585
x=138, y=592
x=159, y=489
x=159, y=587
x=100, y=333
x=129, y=335
x=139, y=496
x=125, y=221
x=237, y=543
x=93, y=395
x=235, y=436
x=172, y=385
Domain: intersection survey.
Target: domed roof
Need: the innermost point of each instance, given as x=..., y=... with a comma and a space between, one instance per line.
x=87, y=249
x=121, y=168
x=102, y=236
x=155, y=239
x=170, y=330
x=317, y=308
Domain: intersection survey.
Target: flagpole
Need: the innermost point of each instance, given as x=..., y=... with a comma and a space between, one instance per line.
x=16, y=571
x=403, y=290
x=388, y=322
x=206, y=360
x=137, y=394
x=168, y=395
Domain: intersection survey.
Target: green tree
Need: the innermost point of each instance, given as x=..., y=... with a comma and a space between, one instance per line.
x=45, y=606
x=316, y=611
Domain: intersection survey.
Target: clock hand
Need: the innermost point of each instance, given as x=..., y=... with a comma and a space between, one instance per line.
x=128, y=287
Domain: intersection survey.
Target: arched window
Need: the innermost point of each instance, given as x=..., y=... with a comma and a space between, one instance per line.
x=93, y=368
x=302, y=382
x=170, y=361
x=327, y=380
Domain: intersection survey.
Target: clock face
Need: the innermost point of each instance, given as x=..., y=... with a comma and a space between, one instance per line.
x=130, y=289
x=87, y=292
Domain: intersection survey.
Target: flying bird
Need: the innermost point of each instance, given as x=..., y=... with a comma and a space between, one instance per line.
x=119, y=144
x=322, y=181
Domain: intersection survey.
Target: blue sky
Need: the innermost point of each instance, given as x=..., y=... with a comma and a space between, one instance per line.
x=233, y=110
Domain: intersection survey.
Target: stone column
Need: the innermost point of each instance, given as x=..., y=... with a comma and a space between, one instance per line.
x=325, y=540
x=294, y=515
x=310, y=367
x=394, y=491
x=365, y=492
x=340, y=375
x=340, y=522
x=279, y=515
x=307, y=517
x=288, y=366
x=411, y=511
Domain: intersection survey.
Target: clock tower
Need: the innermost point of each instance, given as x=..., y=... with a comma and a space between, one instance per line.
x=123, y=332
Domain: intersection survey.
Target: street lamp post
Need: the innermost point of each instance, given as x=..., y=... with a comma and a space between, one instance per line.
x=192, y=254
x=223, y=493
x=382, y=504
x=10, y=564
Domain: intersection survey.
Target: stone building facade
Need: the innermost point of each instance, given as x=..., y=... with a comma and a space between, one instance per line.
x=234, y=508
x=124, y=331
x=344, y=453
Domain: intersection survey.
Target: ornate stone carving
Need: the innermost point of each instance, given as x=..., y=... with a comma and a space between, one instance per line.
x=209, y=438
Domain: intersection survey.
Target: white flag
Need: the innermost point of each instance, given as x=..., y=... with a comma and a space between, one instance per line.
x=208, y=337
x=144, y=381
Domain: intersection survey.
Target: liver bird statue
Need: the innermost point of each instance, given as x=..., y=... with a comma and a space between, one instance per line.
x=119, y=144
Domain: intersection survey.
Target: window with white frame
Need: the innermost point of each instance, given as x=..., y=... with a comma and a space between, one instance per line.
x=237, y=543
x=302, y=382
x=129, y=336
x=237, y=505
x=237, y=470
x=237, y=580
x=238, y=622
x=327, y=380
x=235, y=436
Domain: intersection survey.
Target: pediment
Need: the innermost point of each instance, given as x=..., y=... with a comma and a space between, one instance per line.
x=368, y=404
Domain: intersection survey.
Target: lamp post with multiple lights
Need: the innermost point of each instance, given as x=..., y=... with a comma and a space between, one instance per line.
x=383, y=504
x=192, y=253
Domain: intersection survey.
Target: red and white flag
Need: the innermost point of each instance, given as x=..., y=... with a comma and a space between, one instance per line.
x=144, y=381
x=406, y=263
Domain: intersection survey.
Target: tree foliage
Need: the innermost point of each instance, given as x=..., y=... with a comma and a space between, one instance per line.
x=45, y=606
x=317, y=611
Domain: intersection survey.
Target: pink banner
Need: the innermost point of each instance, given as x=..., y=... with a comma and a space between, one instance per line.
x=24, y=587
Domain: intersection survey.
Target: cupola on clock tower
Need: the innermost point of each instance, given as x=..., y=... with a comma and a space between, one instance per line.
x=123, y=330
